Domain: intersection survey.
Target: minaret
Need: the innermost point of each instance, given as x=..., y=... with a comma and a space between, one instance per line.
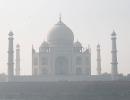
x=10, y=56
x=114, y=70
x=17, y=70
x=33, y=53
x=98, y=60
x=60, y=17
x=88, y=51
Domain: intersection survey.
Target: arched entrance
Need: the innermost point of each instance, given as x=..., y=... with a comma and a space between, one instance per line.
x=61, y=66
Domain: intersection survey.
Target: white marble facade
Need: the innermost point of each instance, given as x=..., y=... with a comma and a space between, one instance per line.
x=60, y=55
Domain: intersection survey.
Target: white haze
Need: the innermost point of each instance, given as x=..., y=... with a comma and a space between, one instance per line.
x=92, y=22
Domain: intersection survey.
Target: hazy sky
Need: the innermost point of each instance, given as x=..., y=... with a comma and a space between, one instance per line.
x=92, y=22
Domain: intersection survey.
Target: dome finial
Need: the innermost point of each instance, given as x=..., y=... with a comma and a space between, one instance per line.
x=113, y=33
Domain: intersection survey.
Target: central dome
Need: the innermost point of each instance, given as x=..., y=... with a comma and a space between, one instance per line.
x=60, y=34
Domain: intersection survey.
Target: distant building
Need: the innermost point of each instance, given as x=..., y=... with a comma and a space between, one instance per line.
x=60, y=55
x=60, y=58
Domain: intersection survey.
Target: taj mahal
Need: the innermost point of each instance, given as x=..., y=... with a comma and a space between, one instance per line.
x=60, y=55
x=61, y=58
